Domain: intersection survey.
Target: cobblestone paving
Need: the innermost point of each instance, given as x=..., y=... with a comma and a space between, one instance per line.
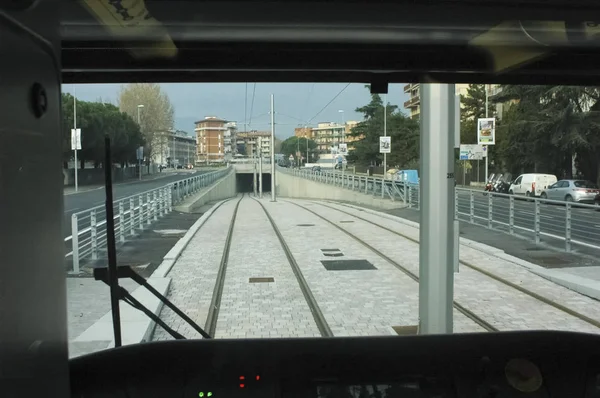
x=354, y=302
x=193, y=275
x=271, y=309
x=501, y=305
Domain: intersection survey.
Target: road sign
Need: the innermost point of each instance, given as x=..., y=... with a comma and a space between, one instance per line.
x=486, y=131
x=75, y=139
x=343, y=149
x=471, y=152
x=385, y=144
x=140, y=153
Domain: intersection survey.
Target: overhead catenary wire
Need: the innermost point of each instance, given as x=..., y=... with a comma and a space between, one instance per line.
x=252, y=105
x=329, y=103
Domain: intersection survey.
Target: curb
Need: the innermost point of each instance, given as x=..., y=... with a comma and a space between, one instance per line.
x=171, y=257
x=136, y=327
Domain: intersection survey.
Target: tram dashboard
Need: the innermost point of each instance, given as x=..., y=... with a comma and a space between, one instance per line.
x=506, y=364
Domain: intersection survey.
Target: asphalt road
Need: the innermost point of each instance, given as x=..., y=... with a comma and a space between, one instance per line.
x=81, y=201
x=585, y=222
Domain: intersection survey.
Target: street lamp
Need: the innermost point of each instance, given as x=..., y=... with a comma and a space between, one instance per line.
x=138, y=111
x=343, y=125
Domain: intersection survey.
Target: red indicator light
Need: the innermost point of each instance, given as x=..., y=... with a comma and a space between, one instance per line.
x=257, y=378
x=242, y=385
x=242, y=377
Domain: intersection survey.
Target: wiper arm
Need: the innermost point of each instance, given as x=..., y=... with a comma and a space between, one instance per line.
x=101, y=274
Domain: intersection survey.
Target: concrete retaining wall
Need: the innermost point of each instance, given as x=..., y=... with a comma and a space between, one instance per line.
x=222, y=189
x=288, y=185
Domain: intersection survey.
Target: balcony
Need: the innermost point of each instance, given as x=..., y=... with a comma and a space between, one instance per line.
x=412, y=103
x=410, y=86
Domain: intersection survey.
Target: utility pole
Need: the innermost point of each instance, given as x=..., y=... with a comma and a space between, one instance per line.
x=273, y=199
x=140, y=106
x=254, y=178
x=260, y=172
x=487, y=147
x=385, y=154
x=76, y=138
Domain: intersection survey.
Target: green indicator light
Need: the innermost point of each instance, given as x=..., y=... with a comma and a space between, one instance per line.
x=209, y=394
x=201, y=394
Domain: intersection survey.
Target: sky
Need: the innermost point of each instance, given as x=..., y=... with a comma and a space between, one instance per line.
x=296, y=104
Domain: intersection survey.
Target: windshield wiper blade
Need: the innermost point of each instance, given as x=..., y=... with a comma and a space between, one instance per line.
x=123, y=271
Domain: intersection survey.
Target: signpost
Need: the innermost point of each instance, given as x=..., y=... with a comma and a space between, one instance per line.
x=486, y=135
x=471, y=152
x=385, y=144
x=343, y=149
x=76, y=146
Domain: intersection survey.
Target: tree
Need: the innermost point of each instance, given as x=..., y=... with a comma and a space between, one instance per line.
x=155, y=117
x=291, y=146
x=95, y=120
x=403, y=130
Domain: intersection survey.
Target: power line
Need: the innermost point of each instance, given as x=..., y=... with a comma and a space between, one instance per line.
x=252, y=105
x=329, y=103
x=246, y=107
x=307, y=99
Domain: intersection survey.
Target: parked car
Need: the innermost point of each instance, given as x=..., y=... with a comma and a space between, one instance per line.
x=531, y=184
x=580, y=191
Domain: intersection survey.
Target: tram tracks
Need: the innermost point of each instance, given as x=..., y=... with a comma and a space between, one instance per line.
x=215, y=305
x=469, y=314
x=469, y=265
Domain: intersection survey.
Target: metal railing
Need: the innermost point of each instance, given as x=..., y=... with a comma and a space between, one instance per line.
x=377, y=186
x=131, y=215
x=534, y=218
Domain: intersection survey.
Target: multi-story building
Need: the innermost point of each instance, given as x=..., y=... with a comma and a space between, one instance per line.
x=173, y=148
x=328, y=135
x=413, y=104
x=229, y=140
x=351, y=139
x=249, y=139
x=303, y=132
x=210, y=134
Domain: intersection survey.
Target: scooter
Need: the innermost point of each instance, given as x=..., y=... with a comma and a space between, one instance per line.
x=489, y=187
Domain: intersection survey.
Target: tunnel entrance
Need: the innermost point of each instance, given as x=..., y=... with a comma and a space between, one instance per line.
x=243, y=182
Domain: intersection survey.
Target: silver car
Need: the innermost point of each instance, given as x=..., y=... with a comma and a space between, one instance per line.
x=580, y=191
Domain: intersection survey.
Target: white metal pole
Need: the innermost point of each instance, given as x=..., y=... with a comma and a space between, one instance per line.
x=260, y=172
x=436, y=259
x=385, y=135
x=273, y=199
x=254, y=176
x=75, y=150
x=487, y=149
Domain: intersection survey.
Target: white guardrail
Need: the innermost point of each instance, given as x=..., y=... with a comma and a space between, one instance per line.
x=131, y=215
x=534, y=218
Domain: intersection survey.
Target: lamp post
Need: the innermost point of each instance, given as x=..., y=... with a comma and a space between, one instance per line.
x=140, y=106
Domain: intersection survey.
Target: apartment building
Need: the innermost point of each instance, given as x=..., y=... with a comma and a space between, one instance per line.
x=210, y=135
x=413, y=104
x=250, y=139
x=173, y=148
x=230, y=141
x=303, y=132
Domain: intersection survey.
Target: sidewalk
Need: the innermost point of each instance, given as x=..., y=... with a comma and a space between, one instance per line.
x=69, y=190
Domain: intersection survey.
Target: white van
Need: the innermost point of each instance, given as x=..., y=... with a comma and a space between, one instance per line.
x=531, y=184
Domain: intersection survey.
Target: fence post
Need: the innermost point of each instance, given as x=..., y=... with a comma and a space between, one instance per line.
x=568, y=228
x=419, y=197
x=131, y=216
x=75, y=242
x=409, y=193
x=536, y=221
x=490, y=214
x=121, y=222
x=148, y=210
x=404, y=191
x=93, y=235
x=159, y=203
x=154, y=203
x=471, y=207
x=141, y=211
x=511, y=215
